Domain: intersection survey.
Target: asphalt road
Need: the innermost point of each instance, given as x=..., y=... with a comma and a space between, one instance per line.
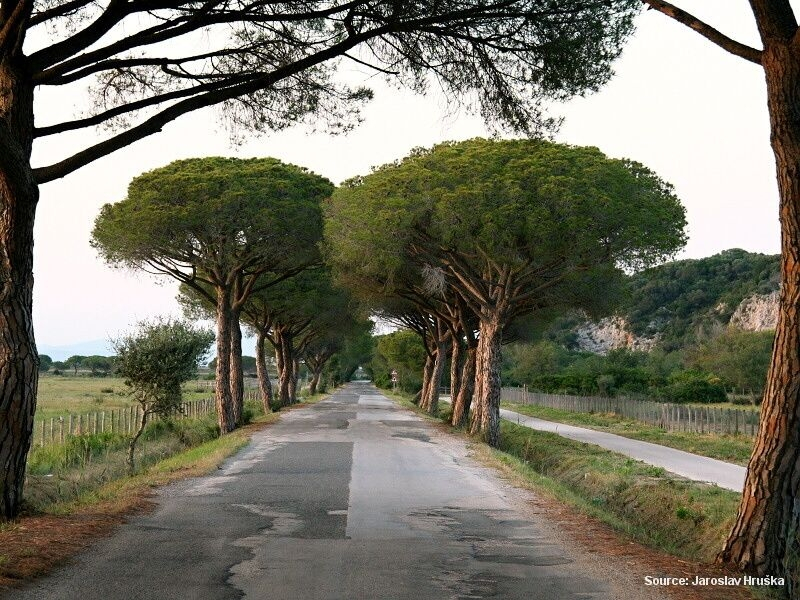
x=353, y=498
x=685, y=464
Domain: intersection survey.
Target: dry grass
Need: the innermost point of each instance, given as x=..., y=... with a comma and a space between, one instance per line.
x=592, y=535
x=652, y=522
x=63, y=394
x=35, y=544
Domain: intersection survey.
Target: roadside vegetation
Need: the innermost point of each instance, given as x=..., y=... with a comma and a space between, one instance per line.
x=684, y=518
x=727, y=367
x=730, y=448
x=81, y=490
x=63, y=474
x=61, y=395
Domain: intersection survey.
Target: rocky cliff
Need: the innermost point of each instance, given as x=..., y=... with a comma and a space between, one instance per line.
x=756, y=313
x=608, y=334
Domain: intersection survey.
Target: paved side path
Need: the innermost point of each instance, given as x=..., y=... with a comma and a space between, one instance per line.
x=353, y=498
x=691, y=466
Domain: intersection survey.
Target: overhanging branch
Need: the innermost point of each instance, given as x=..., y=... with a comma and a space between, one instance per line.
x=704, y=29
x=155, y=123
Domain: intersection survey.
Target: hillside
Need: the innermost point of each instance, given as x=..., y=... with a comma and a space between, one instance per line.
x=673, y=305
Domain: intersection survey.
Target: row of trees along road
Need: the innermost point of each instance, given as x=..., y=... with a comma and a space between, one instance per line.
x=270, y=65
x=242, y=238
x=484, y=233
x=303, y=316
x=267, y=65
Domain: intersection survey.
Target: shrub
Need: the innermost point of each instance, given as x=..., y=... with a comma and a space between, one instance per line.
x=252, y=409
x=695, y=388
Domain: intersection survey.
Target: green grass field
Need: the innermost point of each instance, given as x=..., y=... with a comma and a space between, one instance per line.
x=748, y=406
x=63, y=394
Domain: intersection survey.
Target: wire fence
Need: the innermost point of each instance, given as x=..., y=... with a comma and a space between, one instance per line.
x=666, y=415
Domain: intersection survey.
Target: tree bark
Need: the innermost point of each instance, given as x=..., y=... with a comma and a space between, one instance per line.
x=456, y=364
x=765, y=538
x=236, y=371
x=294, y=377
x=312, y=387
x=476, y=414
x=132, y=444
x=283, y=353
x=19, y=361
x=264, y=383
x=486, y=421
x=462, y=402
x=431, y=403
x=222, y=393
x=427, y=372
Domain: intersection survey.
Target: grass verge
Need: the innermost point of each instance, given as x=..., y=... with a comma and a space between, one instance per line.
x=686, y=519
x=730, y=448
x=78, y=493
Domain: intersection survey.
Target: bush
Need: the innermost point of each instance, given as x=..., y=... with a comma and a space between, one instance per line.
x=695, y=388
x=252, y=409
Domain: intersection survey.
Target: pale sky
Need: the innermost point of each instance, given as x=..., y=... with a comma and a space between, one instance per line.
x=688, y=110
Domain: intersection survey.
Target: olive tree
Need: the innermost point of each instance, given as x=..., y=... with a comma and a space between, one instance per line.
x=513, y=227
x=155, y=360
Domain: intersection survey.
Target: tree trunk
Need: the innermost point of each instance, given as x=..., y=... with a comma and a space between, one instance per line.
x=427, y=372
x=222, y=393
x=487, y=419
x=476, y=414
x=19, y=361
x=132, y=444
x=317, y=375
x=456, y=360
x=278, y=356
x=765, y=538
x=439, y=356
x=295, y=377
x=264, y=384
x=462, y=402
x=236, y=372
x=285, y=361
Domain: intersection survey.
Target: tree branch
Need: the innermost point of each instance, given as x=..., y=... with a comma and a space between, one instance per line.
x=61, y=10
x=775, y=19
x=114, y=13
x=708, y=32
x=155, y=123
x=117, y=111
x=13, y=30
x=50, y=77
